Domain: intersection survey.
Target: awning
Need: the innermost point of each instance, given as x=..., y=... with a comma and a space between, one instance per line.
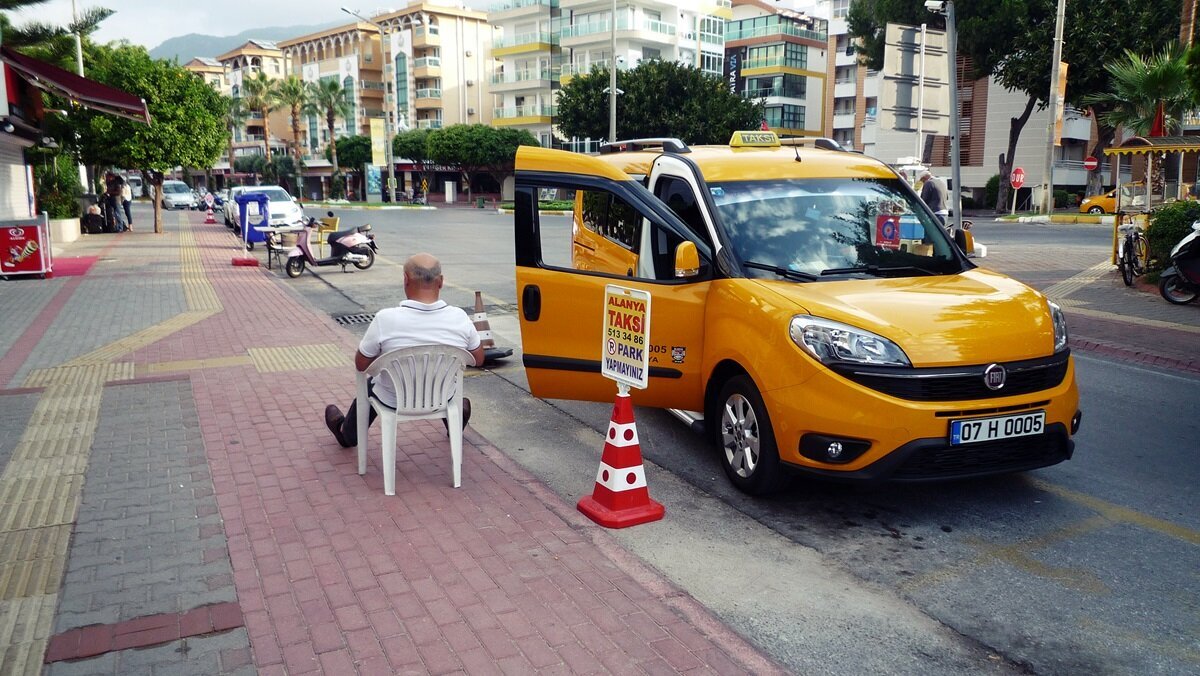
x=55, y=80
x=1139, y=145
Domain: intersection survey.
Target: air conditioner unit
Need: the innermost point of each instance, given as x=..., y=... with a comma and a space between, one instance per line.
x=470, y=83
x=468, y=52
x=470, y=111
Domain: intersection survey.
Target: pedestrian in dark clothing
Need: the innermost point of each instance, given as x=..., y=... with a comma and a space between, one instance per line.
x=114, y=207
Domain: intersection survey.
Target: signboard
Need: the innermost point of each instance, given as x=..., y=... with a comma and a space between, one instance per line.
x=1090, y=163
x=378, y=142
x=24, y=247
x=625, y=358
x=209, y=200
x=915, y=85
x=1018, y=178
x=887, y=231
x=733, y=69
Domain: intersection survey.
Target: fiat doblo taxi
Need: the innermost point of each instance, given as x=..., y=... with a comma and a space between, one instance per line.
x=808, y=312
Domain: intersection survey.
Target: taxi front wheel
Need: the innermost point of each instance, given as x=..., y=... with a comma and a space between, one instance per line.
x=747, y=443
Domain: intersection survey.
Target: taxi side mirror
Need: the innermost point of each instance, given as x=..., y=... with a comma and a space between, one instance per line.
x=687, y=260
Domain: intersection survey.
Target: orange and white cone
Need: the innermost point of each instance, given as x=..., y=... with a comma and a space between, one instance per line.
x=484, y=329
x=209, y=217
x=621, y=497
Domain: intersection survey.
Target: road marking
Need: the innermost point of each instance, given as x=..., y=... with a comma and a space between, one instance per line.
x=298, y=357
x=1121, y=514
x=1078, y=281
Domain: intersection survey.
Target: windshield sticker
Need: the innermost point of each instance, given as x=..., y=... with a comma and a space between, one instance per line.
x=717, y=191
x=887, y=231
x=678, y=354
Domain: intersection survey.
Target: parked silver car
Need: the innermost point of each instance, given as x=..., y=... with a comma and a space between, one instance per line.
x=177, y=195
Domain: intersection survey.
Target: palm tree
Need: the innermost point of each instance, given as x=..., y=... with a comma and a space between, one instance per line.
x=329, y=97
x=235, y=118
x=261, y=94
x=293, y=95
x=1147, y=93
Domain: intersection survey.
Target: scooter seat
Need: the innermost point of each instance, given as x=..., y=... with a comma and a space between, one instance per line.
x=335, y=236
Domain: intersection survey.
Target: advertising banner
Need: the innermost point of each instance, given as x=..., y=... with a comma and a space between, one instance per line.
x=24, y=247
x=625, y=358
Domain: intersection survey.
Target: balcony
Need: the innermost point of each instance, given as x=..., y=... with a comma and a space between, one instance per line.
x=774, y=63
x=516, y=115
x=529, y=78
x=426, y=36
x=779, y=30
x=845, y=89
x=427, y=66
x=521, y=43
x=843, y=120
x=515, y=8
x=764, y=92
x=648, y=29
x=428, y=98
x=429, y=124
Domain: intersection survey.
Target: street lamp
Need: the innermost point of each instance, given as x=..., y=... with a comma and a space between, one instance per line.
x=1047, y=205
x=384, y=32
x=612, y=79
x=947, y=7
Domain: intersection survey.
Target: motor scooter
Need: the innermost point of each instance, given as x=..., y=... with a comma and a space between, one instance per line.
x=1180, y=283
x=353, y=246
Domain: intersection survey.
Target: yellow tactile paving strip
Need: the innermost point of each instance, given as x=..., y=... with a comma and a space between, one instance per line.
x=195, y=364
x=31, y=561
x=298, y=358
x=25, y=625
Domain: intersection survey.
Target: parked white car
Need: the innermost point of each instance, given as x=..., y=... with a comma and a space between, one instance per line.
x=177, y=195
x=230, y=207
x=284, y=209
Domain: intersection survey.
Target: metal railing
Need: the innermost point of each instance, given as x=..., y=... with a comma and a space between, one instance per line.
x=518, y=4
x=428, y=62
x=533, y=38
x=533, y=110
x=429, y=93
x=732, y=33
x=582, y=68
x=623, y=24
x=421, y=31
x=429, y=124
x=761, y=92
x=525, y=75
x=773, y=62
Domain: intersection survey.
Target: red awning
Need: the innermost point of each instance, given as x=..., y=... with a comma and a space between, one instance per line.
x=55, y=80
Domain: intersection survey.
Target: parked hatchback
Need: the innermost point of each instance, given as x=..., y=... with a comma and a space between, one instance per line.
x=177, y=195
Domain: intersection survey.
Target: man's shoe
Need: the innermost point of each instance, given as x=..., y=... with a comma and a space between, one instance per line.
x=333, y=420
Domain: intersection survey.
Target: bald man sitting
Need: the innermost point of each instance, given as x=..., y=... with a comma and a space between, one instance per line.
x=421, y=319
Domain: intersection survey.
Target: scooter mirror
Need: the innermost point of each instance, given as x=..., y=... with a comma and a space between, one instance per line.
x=329, y=214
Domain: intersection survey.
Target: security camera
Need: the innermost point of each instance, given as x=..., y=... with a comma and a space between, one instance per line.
x=935, y=5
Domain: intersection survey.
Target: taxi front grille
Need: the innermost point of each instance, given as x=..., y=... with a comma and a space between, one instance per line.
x=988, y=457
x=960, y=383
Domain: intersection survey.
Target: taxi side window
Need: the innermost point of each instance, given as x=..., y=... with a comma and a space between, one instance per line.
x=680, y=198
x=608, y=215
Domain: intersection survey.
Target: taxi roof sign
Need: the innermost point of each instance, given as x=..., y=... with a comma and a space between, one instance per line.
x=754, y=139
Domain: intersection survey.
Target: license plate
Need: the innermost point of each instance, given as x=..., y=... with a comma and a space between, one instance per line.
x=975, y=430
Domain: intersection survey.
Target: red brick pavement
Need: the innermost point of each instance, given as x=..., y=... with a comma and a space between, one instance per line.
x=333, y=576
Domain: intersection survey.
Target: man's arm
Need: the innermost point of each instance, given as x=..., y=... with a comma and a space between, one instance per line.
x=478, y=354
x=362, y=361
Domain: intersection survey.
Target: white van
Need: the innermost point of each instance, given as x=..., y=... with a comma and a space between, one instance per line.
x=135, y=185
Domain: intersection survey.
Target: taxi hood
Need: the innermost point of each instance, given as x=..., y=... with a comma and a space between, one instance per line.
x=973, y=317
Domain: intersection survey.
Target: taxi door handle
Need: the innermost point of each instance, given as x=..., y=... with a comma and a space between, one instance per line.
x=629, y=272
x=531, y=302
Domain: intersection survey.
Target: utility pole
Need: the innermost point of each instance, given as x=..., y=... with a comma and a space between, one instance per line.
x=955, y=127
x=1056, y=63
x=612, y=79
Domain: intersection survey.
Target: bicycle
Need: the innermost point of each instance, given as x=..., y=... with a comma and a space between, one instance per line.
x=1131, y=253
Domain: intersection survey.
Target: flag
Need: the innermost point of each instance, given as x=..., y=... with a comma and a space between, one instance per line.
x=763, y=126
x=1158, y=128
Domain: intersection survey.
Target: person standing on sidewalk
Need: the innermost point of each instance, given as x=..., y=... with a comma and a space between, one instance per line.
x=127, y=200
x=421, y=319
x=933, y=194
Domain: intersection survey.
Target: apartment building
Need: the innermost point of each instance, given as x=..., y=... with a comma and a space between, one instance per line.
x=526, y=80
x=211, y=71
x=240, y=64
x=779, y=55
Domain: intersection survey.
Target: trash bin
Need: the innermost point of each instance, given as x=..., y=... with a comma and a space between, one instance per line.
x=479, y=203
x=254, y=209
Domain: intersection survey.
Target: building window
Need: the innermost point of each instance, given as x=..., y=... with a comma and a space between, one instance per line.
x=793, y=86
x=788, y=55
x=841, y=8
x=713, y=64
x=401, y=68
x=352, y=118
x=785, y=117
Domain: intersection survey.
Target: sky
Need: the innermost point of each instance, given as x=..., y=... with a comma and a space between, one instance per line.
x=150, y=22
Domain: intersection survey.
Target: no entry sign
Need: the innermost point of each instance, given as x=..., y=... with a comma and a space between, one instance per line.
x=1018, y=178
x=625, y=358
x=1090, y=163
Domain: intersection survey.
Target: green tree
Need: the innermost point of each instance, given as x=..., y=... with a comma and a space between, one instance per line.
x=188, y=118
x=329, y=98
x=262, y=96
x=293, y=95
x=235, y=118
x=251, y=164
x=1012, y=40
x=478, y=148
x=354, y=152
x=45, y=41
x=660, y=98
x=413, y=145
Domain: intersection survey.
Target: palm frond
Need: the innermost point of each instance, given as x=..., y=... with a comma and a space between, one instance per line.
x=88, y=20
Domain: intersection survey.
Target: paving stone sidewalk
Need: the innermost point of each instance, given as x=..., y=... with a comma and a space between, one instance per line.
x=202, y=520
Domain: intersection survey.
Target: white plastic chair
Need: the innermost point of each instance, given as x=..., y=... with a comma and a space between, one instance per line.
x=428, y=382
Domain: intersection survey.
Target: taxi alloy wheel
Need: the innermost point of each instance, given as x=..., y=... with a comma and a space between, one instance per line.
x=748, y=451
x=1096, y=210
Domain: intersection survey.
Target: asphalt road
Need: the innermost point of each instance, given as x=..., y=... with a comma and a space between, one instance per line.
x=1088, y=567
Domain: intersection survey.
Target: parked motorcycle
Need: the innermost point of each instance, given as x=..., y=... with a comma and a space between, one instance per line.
x=353, y=246
x=1180, y=283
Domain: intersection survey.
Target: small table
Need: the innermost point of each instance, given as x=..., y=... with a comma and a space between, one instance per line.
x=275, y=241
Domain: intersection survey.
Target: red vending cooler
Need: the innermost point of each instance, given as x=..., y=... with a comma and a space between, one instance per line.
x=25, y=247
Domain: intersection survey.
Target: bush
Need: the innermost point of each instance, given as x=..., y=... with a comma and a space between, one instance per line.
x=58, y=188
x=1168, y=224
x=1061, y=199
x=991, y=191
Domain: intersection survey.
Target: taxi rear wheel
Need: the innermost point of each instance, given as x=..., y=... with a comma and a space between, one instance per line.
x=745, y=438
x=1096, y=210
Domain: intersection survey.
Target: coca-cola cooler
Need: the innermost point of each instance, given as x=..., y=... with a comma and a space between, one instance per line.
x=25, y=247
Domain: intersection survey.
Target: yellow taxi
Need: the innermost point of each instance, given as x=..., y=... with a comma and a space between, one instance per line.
x=1105, y=203
x=808, y=312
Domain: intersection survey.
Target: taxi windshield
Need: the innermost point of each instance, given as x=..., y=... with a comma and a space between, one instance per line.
x=827, y=227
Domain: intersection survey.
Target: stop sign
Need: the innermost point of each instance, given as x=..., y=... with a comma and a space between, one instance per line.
x=1090, y=163
x=1018, y=178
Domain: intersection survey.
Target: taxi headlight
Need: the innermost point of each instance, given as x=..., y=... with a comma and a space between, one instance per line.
x=831, y=341
x=1060, y=327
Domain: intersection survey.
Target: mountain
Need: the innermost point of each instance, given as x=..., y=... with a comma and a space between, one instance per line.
x=185, y=47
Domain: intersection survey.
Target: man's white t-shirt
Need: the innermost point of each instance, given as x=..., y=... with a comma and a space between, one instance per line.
x=412, y=324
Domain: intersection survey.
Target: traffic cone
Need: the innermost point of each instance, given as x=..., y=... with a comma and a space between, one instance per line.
x=209, y=217
x=490, y=351
x=621, y=497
